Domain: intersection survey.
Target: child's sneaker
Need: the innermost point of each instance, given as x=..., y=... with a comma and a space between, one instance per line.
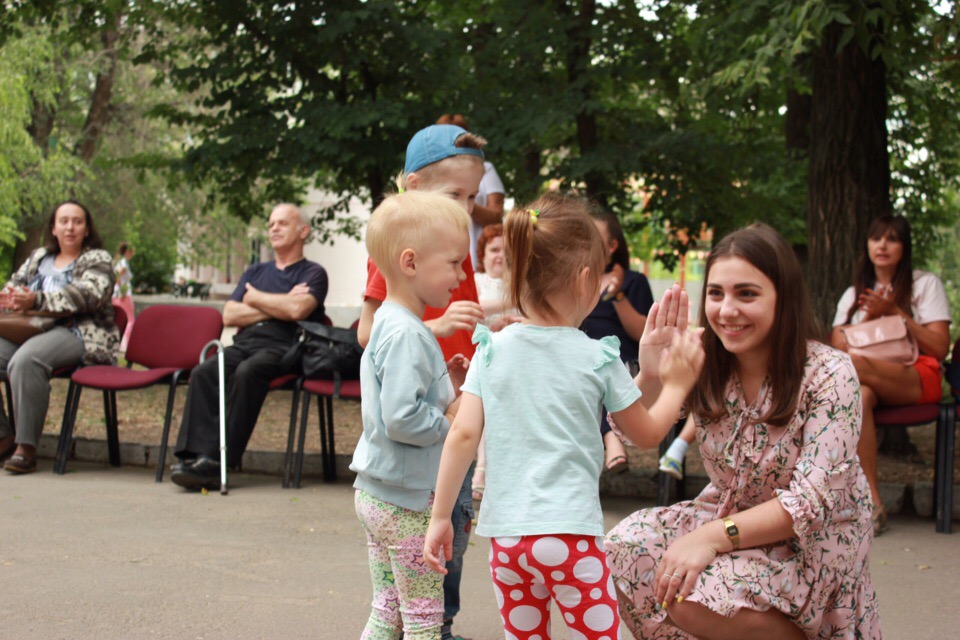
x=671, y=467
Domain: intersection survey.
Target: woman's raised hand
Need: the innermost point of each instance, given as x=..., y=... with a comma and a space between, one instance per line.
x=878, y=303
x=664, y=319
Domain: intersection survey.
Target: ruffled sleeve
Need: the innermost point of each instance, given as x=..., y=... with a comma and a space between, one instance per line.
x=829, y=414
x=483, y=338
x=609, y=350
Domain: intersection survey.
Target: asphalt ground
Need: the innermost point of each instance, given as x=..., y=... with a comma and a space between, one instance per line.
x=108, y=553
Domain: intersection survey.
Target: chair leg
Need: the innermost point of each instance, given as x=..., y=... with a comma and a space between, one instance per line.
x=66, y=428
x=301, y=440
x=330, y=454
x=288, y=456
x=168, y=416
x=113, y=435
x=943, y=472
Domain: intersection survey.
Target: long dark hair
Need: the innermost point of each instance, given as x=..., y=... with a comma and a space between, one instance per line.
x=895, y=228
x=91, y=241
x=769, y=252
x=621, y=255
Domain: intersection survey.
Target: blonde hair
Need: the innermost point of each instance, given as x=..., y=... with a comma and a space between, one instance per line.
x=430, y=173
x=408, y=221
x=546, y=244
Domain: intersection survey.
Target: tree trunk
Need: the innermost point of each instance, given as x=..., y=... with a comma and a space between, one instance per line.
x=99, y=113
x=580, y=36
x=849, y=181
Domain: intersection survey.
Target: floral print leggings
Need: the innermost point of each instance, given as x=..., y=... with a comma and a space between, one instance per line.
x=407, y=594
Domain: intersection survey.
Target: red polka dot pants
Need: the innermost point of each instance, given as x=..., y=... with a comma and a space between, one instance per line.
x=571, y=569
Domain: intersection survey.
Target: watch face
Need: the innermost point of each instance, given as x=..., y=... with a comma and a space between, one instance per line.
x=732, y=530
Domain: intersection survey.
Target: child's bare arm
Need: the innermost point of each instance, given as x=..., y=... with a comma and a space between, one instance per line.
x=458, y=452
x=452, y=409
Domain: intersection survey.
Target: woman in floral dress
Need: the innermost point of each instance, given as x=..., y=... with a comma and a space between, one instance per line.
x=777, y=544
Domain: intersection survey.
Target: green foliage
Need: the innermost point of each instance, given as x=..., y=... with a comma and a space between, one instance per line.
x=945, y=262
x=285, y=102
x=32, y=177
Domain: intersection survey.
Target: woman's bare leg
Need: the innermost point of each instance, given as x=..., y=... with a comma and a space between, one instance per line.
x=867, y=447
x=892, y=383
x=747, y=624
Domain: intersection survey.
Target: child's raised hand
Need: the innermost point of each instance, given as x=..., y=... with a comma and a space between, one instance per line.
x=664, y=319
x=439, y=537
x=457, y=368
x=682, y=362
x=460, y=315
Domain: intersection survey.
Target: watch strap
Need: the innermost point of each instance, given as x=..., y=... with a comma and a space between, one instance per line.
x=732, y=531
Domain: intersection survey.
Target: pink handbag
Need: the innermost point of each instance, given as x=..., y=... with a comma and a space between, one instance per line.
x=886, y=338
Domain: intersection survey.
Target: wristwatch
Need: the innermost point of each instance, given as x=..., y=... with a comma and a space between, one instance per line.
x=733, y=532
x=619, y=296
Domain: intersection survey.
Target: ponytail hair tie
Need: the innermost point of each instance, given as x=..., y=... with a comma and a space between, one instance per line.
x=534, y=214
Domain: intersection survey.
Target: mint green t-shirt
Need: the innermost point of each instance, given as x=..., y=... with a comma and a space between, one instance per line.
x=542, y=390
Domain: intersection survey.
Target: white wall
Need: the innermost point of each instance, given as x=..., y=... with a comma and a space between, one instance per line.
x=345, y=261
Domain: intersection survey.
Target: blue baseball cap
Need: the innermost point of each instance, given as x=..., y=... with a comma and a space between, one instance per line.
x=433, y=144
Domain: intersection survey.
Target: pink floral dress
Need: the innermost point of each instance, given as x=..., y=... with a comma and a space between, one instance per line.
x=819, y=579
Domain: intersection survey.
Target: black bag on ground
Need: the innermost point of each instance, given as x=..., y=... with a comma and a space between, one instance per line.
x=325, y=352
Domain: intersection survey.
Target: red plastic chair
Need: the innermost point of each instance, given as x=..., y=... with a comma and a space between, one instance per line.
x=944, y=414
x=166, y=340
x=326, y=391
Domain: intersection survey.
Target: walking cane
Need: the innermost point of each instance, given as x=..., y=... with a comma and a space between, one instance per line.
x=223, y=412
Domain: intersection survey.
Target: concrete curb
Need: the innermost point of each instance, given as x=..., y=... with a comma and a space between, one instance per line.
x=636, y=483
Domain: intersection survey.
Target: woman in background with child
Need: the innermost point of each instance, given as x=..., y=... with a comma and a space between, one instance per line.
x=777, y=544
x=497, y=310
x=621, y=312
x=544, y=452
x=886, y=284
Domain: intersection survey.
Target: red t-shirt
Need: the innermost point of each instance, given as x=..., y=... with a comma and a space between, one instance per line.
x=461, y=341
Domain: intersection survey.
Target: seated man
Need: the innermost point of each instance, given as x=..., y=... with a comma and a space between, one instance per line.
x=266, y=305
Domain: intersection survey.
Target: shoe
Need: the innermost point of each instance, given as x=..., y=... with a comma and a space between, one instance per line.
x=671, y=467
x=20, y=464
x=617, y=465
x=183, y=464
x=203, y=473
x=879, y=520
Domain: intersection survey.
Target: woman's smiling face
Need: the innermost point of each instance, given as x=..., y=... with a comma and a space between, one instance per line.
x=740, y=306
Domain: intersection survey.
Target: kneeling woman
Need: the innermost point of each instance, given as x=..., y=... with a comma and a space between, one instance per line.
x=777, y=544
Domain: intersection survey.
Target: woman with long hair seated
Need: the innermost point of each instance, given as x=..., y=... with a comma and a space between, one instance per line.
x=886, y=284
